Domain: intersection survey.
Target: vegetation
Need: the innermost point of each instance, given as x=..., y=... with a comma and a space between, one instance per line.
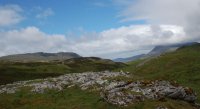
x=182, y=66
x=17, y=71
x=74, y=98
x=40, y=56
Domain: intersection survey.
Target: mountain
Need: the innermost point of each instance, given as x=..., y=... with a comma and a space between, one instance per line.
x=129, y=58
x=181, y=66
x=169, y=80
x=39, y=57
x=156, y=51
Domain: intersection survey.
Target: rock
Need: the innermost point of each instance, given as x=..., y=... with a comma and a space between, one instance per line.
x=161, y=107
x=197, y=105
x=84, y=80
x=115, y=92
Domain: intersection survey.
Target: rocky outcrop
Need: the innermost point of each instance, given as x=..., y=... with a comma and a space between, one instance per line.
x=83, y=80
x=131, y=92
x=116, y=92
x=161, y=107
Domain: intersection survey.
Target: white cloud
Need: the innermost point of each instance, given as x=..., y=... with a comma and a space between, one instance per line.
x=44, y=13
x=112, y=43
x=184, y=13
x=30, y=39
x=169, y=21
x=10, y=15
x=160, y=11
x=108, y=44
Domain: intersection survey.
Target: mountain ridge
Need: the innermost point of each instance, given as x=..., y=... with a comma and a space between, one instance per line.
x=156, y=51
x=40, y=56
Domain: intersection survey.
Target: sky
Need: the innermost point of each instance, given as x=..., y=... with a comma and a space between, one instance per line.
x=103, y=28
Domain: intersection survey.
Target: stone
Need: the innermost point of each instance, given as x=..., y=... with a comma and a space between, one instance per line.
x=161, y=107
x=115, y=92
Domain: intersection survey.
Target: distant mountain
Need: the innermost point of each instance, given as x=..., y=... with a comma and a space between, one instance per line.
x=39, y=57
x=156, y=51
x=181, y=66
x=129, y=58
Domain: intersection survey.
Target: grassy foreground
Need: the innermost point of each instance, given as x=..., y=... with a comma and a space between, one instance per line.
x=74, y=98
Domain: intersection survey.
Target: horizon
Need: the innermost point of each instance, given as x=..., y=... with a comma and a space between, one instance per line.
x=100, y=57
x=101, y=28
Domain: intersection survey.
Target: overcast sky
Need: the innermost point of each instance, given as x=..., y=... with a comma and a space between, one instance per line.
x=103, y=28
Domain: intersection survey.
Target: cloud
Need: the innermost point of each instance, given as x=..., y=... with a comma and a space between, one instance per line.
x=171, y=21
x=159, y=11
x=192, y=26
x=10, y=15
x=30, y=39
x=100, y=4
x=112, y=43
x=184, y=13
x=44, y=13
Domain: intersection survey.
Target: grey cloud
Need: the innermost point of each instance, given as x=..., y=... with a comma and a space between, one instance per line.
x=111, y=43
x=184, y=13
x=169, y=21
x=192, y=26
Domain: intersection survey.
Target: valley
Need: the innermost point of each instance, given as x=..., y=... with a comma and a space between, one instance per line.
x=169, y=80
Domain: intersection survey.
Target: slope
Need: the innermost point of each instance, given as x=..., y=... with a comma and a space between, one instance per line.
x=182, y=66
x=156, y=51
x=39, y=57
x=17, y=71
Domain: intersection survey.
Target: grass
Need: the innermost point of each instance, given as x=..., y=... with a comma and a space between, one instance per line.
x=17, y=71
x=182, y=66
x=74, y=98
x=11, y=72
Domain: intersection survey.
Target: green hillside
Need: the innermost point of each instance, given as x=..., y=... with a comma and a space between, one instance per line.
x=182, y=66
x=17, y=71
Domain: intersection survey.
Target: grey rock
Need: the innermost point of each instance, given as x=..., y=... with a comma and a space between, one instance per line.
x=161, y=107
x=115, y=92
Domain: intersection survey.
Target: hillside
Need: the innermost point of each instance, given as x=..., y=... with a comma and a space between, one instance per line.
x=16, y=71
x=169, y=80
x=182, y=66
x=129, y=58
x=39, y=57
x=161, y=49
x=156, y=51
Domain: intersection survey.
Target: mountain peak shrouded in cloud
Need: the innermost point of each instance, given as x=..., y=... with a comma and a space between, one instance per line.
x=157, y=51
x=109, y=32
x=184, y=13
x=31, y=39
